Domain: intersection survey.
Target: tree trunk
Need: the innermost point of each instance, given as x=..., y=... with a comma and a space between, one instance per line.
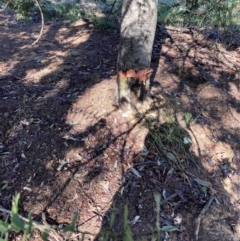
x=138, y=26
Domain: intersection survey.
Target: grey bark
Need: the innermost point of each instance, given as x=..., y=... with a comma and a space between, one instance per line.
x=138, y=26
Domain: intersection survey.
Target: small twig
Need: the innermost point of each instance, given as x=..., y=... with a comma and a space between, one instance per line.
x=201, y=112
x=201, y=215
x=108, y=51
x=83, y=234
x=42, y=17
x=5, y=6
x=111, y=10
x=169, y=198
x=209, y=10
x=154, y=163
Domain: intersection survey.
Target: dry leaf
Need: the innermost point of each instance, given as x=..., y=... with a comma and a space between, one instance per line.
x=136, y=173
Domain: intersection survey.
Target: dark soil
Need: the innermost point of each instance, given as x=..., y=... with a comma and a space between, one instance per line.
x=66, y=149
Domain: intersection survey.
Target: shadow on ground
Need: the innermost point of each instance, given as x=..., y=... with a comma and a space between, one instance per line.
x=66, y=149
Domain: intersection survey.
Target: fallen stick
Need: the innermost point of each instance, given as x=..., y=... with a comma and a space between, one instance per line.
x=201, y=215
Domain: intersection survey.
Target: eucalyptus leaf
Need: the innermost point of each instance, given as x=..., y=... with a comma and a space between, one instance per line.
x=169, y=229
x=136, y=173
x=187, y=140
x=171, y=156
x=202, y=182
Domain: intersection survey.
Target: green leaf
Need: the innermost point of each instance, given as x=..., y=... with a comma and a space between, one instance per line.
x=45, y=235
x=158, y=201
x=5, y=185
x=17, y=224
x=171, y=156
x=127, y=229
x=203, y=182
x=169, y=229
x=15, y=204
x=157, y=198
x=71, y=227
x=106, y=236
x=28, y=228
x=112, y=216
x=3, y=227
x=188, y=117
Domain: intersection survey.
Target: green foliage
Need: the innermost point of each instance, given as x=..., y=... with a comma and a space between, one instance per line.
x=22, y=5
x=164, y=13
x=103, y=22
x=71, y=227
x=111, y=19
x=68, y=11
x=189, y=12
x=25, y=8
x=45, y=235
x=201, y=13
x=157, y=200
x=17, y=224
x=223, y=14
x=65, y=11
x=171, y=136
x=127, y=230
x=188, y=117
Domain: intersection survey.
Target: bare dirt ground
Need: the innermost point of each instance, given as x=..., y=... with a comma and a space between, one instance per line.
x=66, y=149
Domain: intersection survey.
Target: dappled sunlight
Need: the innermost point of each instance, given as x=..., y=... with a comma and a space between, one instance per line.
x=234, y=91
x=66, y=148
x=36, y=75
x=232, y=188
x=95, y=104
x=77, y=39
x=61, y=85
x=53, y=53
x=208, y=93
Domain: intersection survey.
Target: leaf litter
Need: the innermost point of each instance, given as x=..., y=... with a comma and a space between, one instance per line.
x=40, y=126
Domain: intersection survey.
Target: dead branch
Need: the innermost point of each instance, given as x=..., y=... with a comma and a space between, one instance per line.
x=201, y=215
x=42, y=25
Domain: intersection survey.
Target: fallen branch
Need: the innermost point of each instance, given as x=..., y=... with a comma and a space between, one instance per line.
x=201, y=215
x=42, y=17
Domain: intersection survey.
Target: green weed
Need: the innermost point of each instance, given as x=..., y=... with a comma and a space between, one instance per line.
x=172, y=141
